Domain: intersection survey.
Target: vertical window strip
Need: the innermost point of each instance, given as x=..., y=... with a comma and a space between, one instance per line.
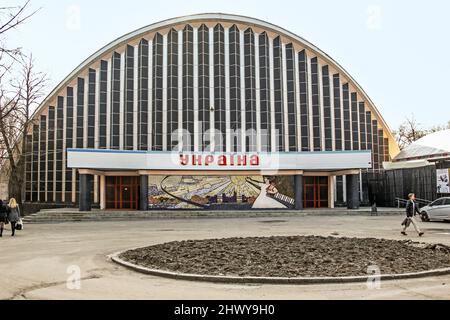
x=91, y=110
x=150, y=96
x=250, y=90
x=355, y=126
x=172, y=89
x=387, y=157
x=304, y=100
x=291, y=100
x=211, y=134
x=51, y=153
x=35, y=172
x=347, y=123
x=369, y=131
x=278, y=93
x=143, y=95
x=337, y=112
x=157, y=117
x=59, y=148
x=180, y=136
x=203, y=85
x=219, y=88
x=235, y=87
x=80, y=113
x=28, y=167
x=129, y=98
x=375, y=153
x=381, y=151
x=362, y=125
x=42, y=157
x=69, y=140
x=102, y=104
x=316, y=116
x=327, y=108
x=115, y=102
x=264, y=80
x=188, y=88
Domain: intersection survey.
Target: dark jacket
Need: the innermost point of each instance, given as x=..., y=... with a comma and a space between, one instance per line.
x=3, y=211
x=412, y=208
x=13, y=214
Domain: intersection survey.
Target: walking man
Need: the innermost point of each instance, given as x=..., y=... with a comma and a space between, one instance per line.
x=411, y=210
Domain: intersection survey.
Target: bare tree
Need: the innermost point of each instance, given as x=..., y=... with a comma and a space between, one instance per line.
x=11, y=18
x=439, y=128
x=408, y=132
x=8, y=105
x=14, y=128
x=411, y=130
x=20, y=90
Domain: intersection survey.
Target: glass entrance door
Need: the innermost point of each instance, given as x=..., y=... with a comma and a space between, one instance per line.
x=315, y=192
x=122, y=193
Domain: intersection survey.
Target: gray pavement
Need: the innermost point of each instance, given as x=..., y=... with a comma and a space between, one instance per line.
x=34, y=265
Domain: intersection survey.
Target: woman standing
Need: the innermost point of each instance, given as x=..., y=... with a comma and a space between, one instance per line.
x=13, y=215
x=3, y=216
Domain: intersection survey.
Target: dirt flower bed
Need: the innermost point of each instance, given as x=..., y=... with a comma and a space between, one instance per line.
x=297, y=256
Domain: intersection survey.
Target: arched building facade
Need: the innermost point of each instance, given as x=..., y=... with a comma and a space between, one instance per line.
x=206, y=111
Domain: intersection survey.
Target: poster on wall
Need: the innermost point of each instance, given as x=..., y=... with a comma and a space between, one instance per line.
x=221, y=192
x=443, y=176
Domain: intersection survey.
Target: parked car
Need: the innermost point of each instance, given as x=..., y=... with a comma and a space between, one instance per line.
x=437, y=210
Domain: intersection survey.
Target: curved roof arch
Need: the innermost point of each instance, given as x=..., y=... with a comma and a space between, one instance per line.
x=219, y=17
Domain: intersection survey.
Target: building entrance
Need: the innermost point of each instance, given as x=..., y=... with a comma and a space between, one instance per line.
x=122, y=193
x=315, y=191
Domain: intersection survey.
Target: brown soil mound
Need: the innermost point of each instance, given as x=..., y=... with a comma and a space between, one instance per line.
x=297, y=256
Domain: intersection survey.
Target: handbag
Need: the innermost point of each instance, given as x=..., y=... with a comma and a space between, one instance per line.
x=19, y=225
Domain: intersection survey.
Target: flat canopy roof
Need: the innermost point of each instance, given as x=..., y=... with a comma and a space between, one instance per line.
x=204, y=161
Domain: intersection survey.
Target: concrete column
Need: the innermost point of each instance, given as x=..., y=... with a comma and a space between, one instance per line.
x=95, y=179
x=298, y=184
x=102, y=192
x=85, y=192
x=143, y=196
x=331, y=189
x=352, y=192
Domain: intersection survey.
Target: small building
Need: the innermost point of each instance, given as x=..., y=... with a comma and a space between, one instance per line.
x=422, y=168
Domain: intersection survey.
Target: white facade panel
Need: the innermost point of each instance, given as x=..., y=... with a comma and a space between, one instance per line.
x=129, y=160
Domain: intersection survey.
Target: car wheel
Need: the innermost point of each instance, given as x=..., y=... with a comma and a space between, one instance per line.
x=424, y=216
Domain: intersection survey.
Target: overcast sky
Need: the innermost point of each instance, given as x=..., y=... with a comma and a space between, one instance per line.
x=398, y=51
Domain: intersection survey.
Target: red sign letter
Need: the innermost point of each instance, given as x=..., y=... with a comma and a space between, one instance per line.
x=241, y=160
x=222, y=161
x=254, y=160
x=184, y=160
x=196, y=160
x=208, y=160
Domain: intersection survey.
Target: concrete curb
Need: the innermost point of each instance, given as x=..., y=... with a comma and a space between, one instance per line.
x=268, y=280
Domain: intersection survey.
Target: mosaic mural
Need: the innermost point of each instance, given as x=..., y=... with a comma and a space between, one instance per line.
x=220, y=192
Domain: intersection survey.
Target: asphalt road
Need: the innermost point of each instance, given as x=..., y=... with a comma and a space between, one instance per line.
x=40, y=262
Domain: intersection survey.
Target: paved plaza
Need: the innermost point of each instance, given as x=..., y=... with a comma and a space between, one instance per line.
x=38, y=262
